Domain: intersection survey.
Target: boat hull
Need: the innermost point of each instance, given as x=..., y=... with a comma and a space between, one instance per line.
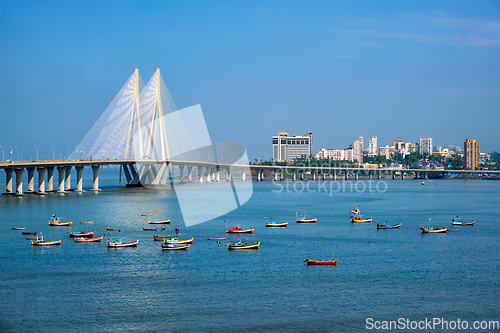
x=171, y=247
x=88, y=240
x=17, y=228
x=434, y=231
x=307, y=221
x=41, y=243
x=115, y=229
x=60, y=224
x=277, y=225
x=240, y=231
x=317, y=263
x=159, y=222
x=81, y=234
x=239, y=246
x=185, y=241
x=361, y=220
x=161, y=238
x=128, y=244
x=379, y=226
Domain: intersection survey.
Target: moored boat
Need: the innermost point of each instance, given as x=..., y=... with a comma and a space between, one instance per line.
x=158, y=221
x=356, y=211
x=277, y=225
x=43, y=243
x=238, y=230
x=29, y=233
x=88, y=240
x=18, y=228
x=304, y=219
x=459, y=222
x=81, y=234
x=150, y=229
x=216, y=238
x=161, y=237
x=243, y=246
x=174, y=247
x=433, y=230
x=360, y=220
x=146, y=214
x=117, y=242
x=388, y=226
x=115, y=229
x=316, y=262
x=86, y=221
x=60, y=224
x=175, y=240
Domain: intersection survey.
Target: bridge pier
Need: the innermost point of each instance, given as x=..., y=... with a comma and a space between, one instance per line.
x=50, y=179
x=402, y=175
x=346, y=175
x=357, y=175
x=41, y=180
x=294, y=175
x=190, y=174
x=79, y=180
x=31, y=180
x=370, y=175
x=324, y=175
x=276, y=175
x=281, y=174
x=393, y=175
x=181, y=173
x=301, y=175
x=8, y=181
x=314, y=175
x=243, y=176
x=19, y=181
x=335, y=175
x=67, y=187
x=61, y=170
x=379, y=174
x=95, y=186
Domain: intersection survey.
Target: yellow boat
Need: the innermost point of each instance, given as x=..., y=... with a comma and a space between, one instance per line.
x=241, y=246
x=60, y=224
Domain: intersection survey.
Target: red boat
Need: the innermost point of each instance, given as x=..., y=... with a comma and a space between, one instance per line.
x=315, y=262
x=238, y=230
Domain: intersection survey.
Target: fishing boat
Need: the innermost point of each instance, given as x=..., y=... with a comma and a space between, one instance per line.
x=174, y=247
x=277, y=224
x=150, y=229
x=175, y=240
x=161, y=237
x=37, y=237
x=433, y=230
x=116, y=229
x=316, y=262
x=43, y=243
x=60, y=224
x=355, y=211
x=214, y=238
x=29, y=233
x=146, y=214
x=304, y=219
x=88, y=240
x=86, y=221
x=388, y=226
x=158, y=221
x=360, y=220
x=81, y=234
x=243, y=246
x=117, y=242
x=459, y=222
x=238, y=230
x=18, y=228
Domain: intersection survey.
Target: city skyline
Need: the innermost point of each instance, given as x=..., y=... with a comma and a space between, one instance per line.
x=340, y=70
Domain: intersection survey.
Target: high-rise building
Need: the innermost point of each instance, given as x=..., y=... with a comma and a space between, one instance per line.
x=358, y=150
x=386, y=151
x=286, y=147
x=336, y=154
x=425, y=146
x=471, y=154
x=372, y=146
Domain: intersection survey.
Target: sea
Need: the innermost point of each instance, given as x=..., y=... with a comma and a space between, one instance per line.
x=397, y=277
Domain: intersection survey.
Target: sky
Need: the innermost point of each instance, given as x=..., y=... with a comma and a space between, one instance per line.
x=341, y=69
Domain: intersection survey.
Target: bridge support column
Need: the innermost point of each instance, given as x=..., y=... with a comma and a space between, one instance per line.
x=370, y=175
x=41, y=181
x=31, y=180
x=314, y=175
x=217, y=175
x=259, y=175
x=335, y=175
x=379, y=174
x=61, y=170
x=181, y=173
x=425, y=175
x=357, y=175
x=402, y=175
x=190, y=174
x=8, y=181
x=209, y=175
x=276, y=175
x=281, y=174
x=95, y=186
x=294, y=175
x=393, y=175
x=67, y=187
x=302, y=175
x=50, y=179
x=19, y=181
x=243, y=176
x=346, y=175
x=200, y=174
x=79, y=180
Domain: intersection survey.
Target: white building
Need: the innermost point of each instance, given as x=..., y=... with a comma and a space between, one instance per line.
x=336, y=154
x=372, y=146
x=358, y=150
x=286, y=147
x=425, y=146
x=386, y=151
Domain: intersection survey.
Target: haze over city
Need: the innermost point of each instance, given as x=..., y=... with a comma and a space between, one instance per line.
x=341, y=70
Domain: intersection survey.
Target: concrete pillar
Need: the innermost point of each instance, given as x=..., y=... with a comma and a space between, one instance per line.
x=217, y=175
x=209, y=175
x=19, y=181
x=335, y=175
x=200, y=174
x=50, y=179
x=67, y=187
x=190, y=173
x=181, y=173
x=61, y=170
x=8, y=181
x=259, y=175
x=346, y=175
x=31, y=180
x=402, y=175
x=425, y=175
x=302, y=175
x=281, y=174
x=393, y=175
x=379, y=174
x=95, y=169
x=314, y=175
x=41, y=181
x=276, y=175
x=294, y=175
x=229, y=178
x=244, y=176
x=357, y=175
x=79, y=180
x=370, y=175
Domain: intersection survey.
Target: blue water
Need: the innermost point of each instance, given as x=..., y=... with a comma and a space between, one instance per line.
x=381, y=274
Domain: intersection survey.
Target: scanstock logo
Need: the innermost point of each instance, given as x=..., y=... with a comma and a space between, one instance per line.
x=182, y=135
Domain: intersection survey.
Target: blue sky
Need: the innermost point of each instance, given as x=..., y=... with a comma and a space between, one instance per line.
x=341, y=69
